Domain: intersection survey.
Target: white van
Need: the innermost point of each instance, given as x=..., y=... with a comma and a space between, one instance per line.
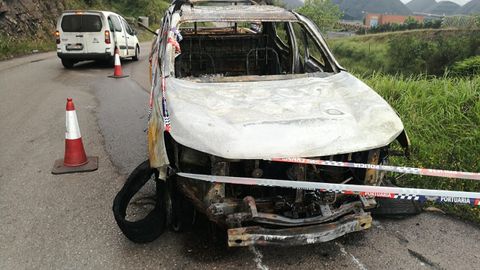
x=93, y=35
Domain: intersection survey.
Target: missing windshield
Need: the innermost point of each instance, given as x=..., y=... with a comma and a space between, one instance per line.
x=229, y=49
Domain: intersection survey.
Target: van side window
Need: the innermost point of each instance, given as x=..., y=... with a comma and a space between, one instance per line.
x=127, y=27
x=116, y=23
x=110, y=24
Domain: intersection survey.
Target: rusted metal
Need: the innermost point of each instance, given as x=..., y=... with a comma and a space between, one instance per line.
x=216, y=193
x=255, y=235
x=239, y=13
x=274, y=219
x=372, y=177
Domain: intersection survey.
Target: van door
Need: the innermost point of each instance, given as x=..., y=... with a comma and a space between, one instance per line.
x=130, y=40
x=72, y=36
x=119, y=35
x=93, y=36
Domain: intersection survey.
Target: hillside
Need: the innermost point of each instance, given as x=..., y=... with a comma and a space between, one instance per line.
x=36, y=19
x=354, y=10
x=421, y=5
x=472, y=7
x=29, y=18
x=443, y=8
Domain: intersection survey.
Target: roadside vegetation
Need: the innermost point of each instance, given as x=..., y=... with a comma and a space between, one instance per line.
x=16, y=45
x=432, y=78
x=12, y=47
x=431, y=52
x=324, y=13
x=154, y=9
x=442, y=118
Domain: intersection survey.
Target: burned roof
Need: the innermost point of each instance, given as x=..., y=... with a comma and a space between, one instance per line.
x=235, y=13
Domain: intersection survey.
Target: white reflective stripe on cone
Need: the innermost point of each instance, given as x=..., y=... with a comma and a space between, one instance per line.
x=117, y=59
x=73, y=130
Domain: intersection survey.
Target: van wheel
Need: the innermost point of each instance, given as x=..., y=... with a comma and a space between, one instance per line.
x=137, y=53
x=68, y=63
x=110, y=62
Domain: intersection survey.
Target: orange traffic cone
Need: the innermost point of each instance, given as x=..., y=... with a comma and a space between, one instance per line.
x=117, y=71
x=75, y=159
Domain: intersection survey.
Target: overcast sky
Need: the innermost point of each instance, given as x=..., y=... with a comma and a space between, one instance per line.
x=460, y=2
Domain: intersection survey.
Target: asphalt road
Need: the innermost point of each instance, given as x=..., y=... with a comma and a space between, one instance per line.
x=66, y=222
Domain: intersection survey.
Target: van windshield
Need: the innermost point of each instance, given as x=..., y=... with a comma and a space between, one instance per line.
x=81, y=23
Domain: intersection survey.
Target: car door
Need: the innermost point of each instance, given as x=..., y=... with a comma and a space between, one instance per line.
x=119, y=37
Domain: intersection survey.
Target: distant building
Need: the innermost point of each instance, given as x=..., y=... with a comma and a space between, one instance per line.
x=373, y=19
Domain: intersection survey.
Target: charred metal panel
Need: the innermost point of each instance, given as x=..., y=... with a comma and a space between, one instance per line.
x=255, y=235
x=237, y=13
x=372, y=177
x=307, y=117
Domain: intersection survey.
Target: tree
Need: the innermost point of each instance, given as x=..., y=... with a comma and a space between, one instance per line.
x=411, y=23
x=324, y=13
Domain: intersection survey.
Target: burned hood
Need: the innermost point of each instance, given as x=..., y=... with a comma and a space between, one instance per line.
x=304, y=117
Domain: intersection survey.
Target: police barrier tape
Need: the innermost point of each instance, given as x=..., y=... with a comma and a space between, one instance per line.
x=440, y=196
x=406, y=170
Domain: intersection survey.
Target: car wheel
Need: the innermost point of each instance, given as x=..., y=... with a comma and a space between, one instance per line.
x=111, y=61
x=68, y=63
x=137, y=53
x=396, y=207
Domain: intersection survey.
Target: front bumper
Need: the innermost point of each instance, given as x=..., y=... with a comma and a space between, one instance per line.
x=255, y=235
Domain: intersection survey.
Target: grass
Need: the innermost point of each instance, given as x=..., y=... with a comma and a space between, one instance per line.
x=360, y=56
x=442, y=118
x=15, y=47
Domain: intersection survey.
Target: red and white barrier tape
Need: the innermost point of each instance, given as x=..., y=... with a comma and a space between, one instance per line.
x=440, y=196
x=387, y=168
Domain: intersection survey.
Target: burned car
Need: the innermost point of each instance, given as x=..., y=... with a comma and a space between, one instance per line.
x=235, y=85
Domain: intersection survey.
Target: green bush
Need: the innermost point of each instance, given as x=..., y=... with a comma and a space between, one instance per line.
x=467, y=67
x=411, y=52
x=323, y=12
x=414, y=55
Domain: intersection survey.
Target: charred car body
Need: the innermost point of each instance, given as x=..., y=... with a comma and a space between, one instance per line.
x=235, y=84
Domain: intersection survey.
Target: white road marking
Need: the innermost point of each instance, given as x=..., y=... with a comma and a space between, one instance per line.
x=354, y=259
x=258, y=258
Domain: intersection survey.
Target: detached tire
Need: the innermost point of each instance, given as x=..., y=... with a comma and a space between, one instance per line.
x=153, y=225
